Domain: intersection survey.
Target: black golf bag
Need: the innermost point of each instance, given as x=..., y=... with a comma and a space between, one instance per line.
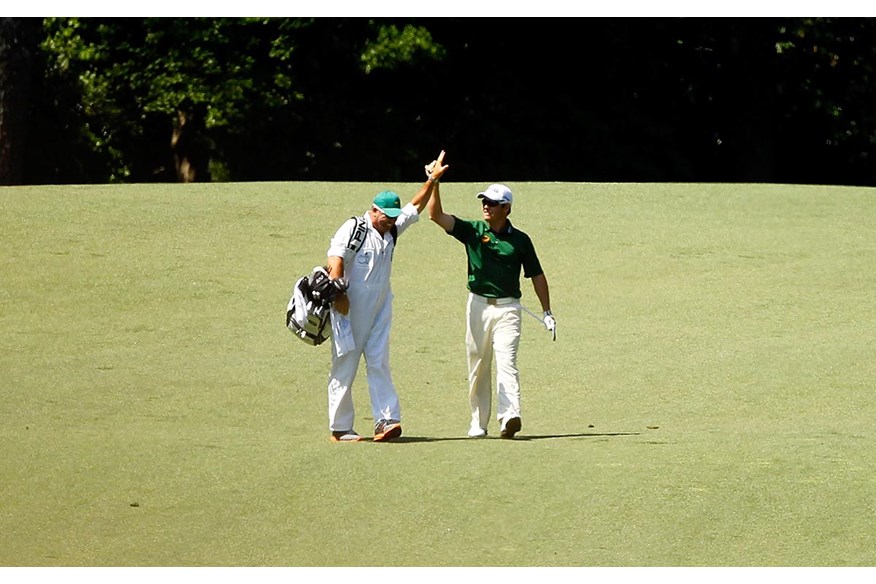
x=308, y=312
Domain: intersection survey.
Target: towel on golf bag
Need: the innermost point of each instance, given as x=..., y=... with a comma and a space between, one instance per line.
x=309, y=307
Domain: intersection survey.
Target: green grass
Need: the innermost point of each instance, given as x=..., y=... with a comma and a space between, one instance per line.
x=708, y=401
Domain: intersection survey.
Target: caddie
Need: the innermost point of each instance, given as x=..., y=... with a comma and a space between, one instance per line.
x=361, y=252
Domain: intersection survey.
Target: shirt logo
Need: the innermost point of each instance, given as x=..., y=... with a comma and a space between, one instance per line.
x=363, y=258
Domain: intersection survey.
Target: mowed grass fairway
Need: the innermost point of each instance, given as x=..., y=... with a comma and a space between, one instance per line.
x=709, y=400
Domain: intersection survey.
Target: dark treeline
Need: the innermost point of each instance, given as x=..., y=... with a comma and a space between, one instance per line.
x=91, y=100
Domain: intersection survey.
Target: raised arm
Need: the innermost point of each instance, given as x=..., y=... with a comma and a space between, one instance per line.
x=436, y=211
x=437, y=214
x=433, y=174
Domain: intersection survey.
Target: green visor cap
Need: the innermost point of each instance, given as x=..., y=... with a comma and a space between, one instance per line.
x=389, y=203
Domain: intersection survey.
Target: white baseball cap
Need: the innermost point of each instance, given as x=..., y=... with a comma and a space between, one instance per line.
x=496, y=192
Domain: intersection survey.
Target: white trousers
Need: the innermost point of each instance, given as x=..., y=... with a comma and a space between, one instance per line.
x=370, y=319
x=493, y=330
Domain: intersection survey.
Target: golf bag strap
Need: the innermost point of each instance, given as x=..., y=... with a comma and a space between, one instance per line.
x=357, y=237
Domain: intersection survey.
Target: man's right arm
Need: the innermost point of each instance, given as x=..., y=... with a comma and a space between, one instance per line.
x=335, y=261
x=436, y=211
x=434, y=170
x=335, y=271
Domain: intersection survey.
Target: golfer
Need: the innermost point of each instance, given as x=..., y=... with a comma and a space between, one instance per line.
x=361, y=251
x=496, y=252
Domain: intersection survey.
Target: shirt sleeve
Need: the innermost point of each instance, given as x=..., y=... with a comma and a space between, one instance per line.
x=531, y=265
x=462, y=230
x=408, y=217
x=340, y=240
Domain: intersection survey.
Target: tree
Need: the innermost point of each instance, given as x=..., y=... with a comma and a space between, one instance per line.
x=666, y=99
x=278, y=98
x=827, y=85
x=19, y=38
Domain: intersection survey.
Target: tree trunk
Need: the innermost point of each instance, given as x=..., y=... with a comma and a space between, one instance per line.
x=189, y=144
x=19, y=42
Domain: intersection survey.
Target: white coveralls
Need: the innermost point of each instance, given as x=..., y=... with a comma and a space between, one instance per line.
x=368, y=272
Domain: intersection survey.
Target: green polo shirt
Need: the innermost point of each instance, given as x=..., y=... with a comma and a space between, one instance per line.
x=495, y=259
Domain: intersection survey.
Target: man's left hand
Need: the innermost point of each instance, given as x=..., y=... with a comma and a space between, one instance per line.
x=550, y=323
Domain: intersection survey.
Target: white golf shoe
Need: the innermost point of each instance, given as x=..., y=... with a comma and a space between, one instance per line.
x=477, y=432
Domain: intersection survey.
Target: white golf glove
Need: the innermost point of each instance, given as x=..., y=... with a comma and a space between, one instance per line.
x=550, y=323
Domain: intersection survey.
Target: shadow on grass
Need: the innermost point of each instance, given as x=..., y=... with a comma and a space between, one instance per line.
x=524, y=438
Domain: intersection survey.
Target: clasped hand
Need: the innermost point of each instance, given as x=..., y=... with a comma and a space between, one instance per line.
x=436, y=168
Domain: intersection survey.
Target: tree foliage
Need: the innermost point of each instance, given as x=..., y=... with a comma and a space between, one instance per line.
x=18, y=47
x=660, y=99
